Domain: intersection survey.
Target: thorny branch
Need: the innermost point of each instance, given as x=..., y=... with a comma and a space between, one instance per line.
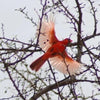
x=13, y=56
x=79, y=30
x=60, y=83
x=18, y=90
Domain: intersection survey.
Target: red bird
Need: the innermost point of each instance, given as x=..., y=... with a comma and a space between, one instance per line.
x=54, y=51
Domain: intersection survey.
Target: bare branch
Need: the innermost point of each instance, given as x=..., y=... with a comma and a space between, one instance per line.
x=18, y=90
x=61, y=83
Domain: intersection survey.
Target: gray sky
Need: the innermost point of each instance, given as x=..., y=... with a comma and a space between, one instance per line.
x=16, y=24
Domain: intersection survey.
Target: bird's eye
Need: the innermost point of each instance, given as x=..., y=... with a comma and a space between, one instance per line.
x=69, y=40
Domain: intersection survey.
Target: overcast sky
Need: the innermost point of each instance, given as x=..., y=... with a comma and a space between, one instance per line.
x=16, y=24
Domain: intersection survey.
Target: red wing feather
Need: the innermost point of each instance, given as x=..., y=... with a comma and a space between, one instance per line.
x=47, y=34
x=66, y=65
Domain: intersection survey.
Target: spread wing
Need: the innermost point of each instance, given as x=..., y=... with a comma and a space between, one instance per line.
x=47, y=34
x=65, y=65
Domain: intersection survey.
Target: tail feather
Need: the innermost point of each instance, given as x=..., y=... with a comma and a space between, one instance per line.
x=37, y=64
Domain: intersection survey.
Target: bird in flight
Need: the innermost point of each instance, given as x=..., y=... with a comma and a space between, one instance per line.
x=54, y=50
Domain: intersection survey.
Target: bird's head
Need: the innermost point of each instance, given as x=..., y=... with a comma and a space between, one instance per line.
x=67, y=41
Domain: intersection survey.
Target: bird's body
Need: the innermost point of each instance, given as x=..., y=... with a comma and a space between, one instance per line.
x=54, y=51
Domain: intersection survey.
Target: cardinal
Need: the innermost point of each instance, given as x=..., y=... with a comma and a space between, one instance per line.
x=55, y=50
